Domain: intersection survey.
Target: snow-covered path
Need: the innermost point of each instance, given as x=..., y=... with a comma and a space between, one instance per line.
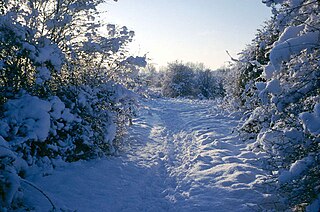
x=181, y=156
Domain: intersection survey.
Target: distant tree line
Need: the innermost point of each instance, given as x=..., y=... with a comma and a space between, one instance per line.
x=189, y=80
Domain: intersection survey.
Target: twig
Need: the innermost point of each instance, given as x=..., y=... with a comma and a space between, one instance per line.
x=36, y=187
x=231, y=57
x=42, y=192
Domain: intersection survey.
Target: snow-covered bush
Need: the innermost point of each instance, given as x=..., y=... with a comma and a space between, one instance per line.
x=25, y=63
x=210, y=84
x=11, y=169
x=105, y=112
x=151, y=80
x=245, y=72
x=284, y=100
x=191, y=80
x=86, y=128
x=179, y=80
x=60, y=96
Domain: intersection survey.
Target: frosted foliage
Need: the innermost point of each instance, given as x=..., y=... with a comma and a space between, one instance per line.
x=29, y=115
x=274, y=86
x=314, y=206
x=51, y=53
x=260, y=85
x=138, y=61
x=284, y=50
x=57, y=107
x=311, y=121
x=296, y=169
x=59, y=97
x=43, y=75
x=10, y=165
x=288, y=88
x=289, y=32
x=4, y=128
x=4, y=148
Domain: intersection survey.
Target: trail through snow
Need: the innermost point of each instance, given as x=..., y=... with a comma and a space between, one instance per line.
x=180, y=155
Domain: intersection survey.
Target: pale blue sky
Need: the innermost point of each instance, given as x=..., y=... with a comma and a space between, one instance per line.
x=189, y=30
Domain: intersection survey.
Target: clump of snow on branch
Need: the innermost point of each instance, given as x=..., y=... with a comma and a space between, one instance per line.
x=311, y=121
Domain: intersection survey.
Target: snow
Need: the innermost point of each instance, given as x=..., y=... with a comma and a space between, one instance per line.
x=273, y=86
x=296, y=3
x=4, y=148
x=311, y=121
x=283, y=51
x=296, y=169
x=4, y=128
x=50, y=53
x=269, y=2
x=314, y=206
x=260, y=85
x=30, y=116
x=67, y=115
x=138, y=61
x=9, y=180
x=179, y=155
x=290, y=32
x=110, y=135
x=294, y=135
x=57, y=107
x=269, y=70
x=43, y=74
x=292, y=41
